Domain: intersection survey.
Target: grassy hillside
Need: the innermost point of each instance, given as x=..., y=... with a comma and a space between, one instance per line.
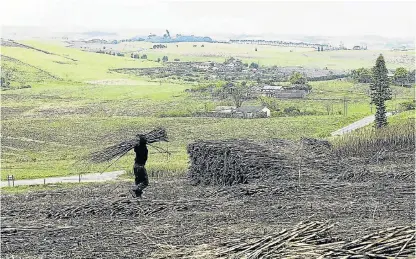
x=76, y=106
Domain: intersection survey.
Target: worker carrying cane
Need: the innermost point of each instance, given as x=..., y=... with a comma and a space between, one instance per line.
x=140, y=175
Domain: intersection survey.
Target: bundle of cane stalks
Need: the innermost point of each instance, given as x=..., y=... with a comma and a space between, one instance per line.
x=119, y=150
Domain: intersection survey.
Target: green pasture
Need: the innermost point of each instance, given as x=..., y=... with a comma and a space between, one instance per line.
x=268, y=55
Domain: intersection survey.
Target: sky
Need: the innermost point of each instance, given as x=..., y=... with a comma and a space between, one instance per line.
x=326, y=18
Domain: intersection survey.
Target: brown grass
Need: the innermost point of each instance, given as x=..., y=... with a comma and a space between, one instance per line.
x=366, y=141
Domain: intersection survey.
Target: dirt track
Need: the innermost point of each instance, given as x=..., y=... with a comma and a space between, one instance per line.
x=179, y=220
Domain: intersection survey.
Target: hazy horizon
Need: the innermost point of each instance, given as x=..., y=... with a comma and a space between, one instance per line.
x=333, y=19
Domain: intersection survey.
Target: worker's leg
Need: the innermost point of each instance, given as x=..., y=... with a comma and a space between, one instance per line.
x=141, y=180
x=137, y=180
x=145, y=178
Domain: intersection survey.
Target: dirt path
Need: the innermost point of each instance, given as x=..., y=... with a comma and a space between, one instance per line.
x=95, y=177
x=356, y=125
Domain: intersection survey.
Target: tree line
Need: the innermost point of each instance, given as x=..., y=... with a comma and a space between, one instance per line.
x=401, y=76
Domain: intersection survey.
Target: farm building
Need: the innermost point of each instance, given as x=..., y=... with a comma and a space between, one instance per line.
x=225, y=109
x=246, y=112
x=290, y=94
x=253, y=112
x=390, y=75
x=282, y=92
x=270, y=90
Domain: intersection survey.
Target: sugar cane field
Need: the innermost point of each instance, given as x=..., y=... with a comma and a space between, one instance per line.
x=220, y=186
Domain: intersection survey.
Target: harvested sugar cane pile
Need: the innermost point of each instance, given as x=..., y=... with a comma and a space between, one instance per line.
x=312, y=240
x=231, y=162
x=238, y=161
x=119, y=150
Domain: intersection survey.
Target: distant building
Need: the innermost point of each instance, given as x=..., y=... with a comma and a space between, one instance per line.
x=390, y=75
x=270, y=90
x=291, y=94
x=282, y=92
x=225, y=109
x=253, y=112
x=246, y=112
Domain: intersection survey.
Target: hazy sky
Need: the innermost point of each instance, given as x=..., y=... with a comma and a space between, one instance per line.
x=205, y=17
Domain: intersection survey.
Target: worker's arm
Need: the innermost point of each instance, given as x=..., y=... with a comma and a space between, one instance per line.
x=145, y=153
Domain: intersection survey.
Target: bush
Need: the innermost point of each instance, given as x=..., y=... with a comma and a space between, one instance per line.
x=291, y=110
x=408, y=105
x=254, y=65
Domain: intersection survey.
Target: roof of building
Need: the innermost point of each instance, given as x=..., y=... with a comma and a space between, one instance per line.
x=251, y=108
x=221, y=108
x=272, y=87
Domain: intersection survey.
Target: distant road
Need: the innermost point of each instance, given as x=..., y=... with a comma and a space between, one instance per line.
x=356, y=125
x=94, y=177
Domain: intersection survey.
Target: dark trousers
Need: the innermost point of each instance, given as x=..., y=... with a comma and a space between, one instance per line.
x=140, y=178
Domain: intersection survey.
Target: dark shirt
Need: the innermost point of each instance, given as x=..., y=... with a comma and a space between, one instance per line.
x=141, y=154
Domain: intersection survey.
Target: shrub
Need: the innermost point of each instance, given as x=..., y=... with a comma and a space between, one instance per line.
x=408, y=105
x=291, y=110
x=254, y=65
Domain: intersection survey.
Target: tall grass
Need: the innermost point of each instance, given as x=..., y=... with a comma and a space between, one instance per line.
x=395, y=137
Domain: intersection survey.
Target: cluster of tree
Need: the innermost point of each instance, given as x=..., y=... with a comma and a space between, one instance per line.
x=237, y=92
x=113, y=53
x=159, y=46
x=362, y=75
x=298, y=79
x=320, y=48
x=165, y=59
x=137, y=56
x=10, y=75
x=4, y=82
x=401, y=77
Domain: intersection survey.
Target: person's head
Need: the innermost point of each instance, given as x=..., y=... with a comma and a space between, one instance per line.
x=143, y=140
